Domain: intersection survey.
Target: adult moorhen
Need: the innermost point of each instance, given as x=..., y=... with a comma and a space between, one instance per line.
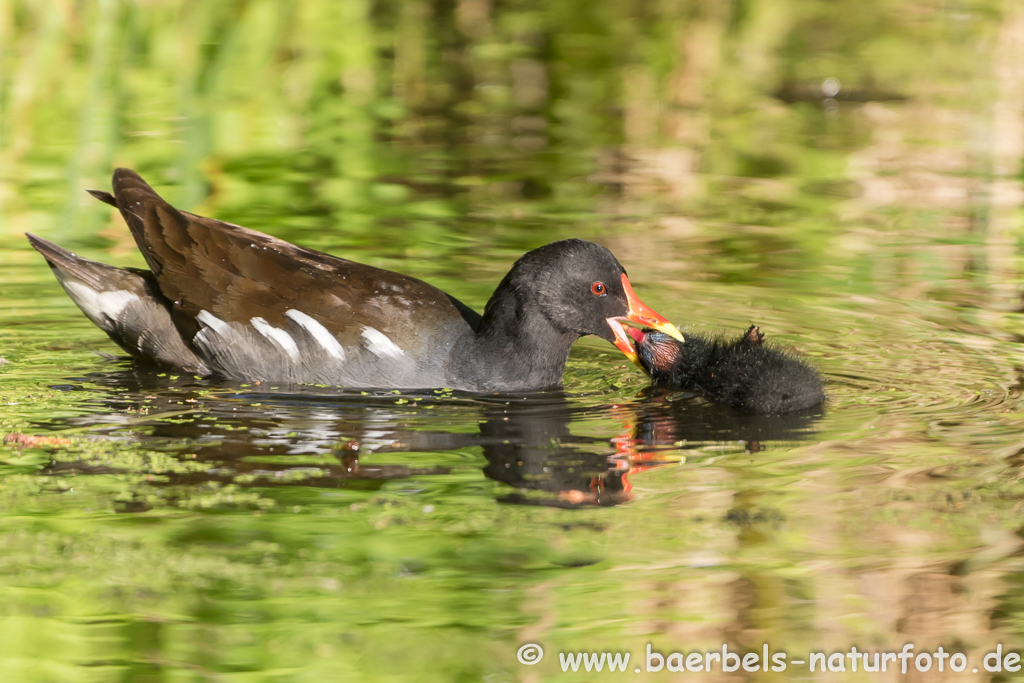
x=745, y=374
x=224, y=300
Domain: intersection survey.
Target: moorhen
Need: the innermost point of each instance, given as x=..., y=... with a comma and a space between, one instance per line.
x=223, y=300
x=745, y=374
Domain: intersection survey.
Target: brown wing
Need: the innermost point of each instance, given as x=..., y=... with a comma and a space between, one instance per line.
x=236, y=274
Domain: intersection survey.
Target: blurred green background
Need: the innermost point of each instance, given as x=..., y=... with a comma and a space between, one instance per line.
x=417, y=129
x=846, y=174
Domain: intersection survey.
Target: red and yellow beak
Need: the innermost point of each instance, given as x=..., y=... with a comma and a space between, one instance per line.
x=640, y=314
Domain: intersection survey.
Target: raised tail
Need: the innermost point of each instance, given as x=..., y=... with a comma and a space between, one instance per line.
x=126, y=304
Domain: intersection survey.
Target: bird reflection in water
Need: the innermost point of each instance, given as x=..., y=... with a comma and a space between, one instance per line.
x=527, y=440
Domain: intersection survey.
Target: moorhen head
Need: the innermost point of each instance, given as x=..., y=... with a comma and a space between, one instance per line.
x=223, y=300
x=745, y=374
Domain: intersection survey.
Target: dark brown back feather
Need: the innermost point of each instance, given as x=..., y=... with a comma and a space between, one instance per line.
x=225, y=269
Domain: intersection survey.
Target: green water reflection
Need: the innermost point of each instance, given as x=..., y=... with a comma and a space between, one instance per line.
x=191, y=530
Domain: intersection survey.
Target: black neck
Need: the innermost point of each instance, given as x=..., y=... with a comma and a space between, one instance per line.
x=515, y=348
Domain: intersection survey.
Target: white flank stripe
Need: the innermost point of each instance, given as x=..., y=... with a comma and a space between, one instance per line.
x=319, y=332
x=380, y=344
x=210, y=320
x=96, y=304
x=278, y=336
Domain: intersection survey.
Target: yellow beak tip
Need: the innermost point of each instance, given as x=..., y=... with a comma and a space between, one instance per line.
x=672, y=331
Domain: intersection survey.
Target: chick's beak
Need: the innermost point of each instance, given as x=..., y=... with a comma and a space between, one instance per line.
x=640, y=314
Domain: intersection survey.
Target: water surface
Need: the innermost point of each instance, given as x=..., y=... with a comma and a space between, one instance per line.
x=190, y=529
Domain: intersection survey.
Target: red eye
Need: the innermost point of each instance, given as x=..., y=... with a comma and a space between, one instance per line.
x=597, y=288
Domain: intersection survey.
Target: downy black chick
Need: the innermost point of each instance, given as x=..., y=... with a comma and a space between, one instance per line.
x=745, y=374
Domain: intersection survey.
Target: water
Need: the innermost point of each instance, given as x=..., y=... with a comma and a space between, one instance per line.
x=187, y=529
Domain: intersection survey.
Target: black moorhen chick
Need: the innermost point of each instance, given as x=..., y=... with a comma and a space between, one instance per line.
x=744, y=374
x=223, y=300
